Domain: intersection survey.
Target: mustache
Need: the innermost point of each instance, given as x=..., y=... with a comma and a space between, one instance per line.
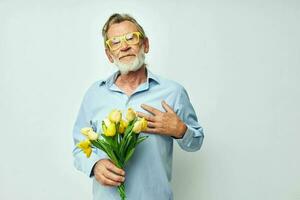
x=123, y=56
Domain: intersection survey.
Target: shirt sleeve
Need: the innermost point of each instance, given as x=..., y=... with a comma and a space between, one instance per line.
x=81, y=162
x=193, y=138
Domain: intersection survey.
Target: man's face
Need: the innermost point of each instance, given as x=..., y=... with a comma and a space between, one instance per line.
x=126, y=54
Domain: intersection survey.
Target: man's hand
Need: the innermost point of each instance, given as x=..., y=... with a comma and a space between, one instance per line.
x=108, y=174
x=166, y=123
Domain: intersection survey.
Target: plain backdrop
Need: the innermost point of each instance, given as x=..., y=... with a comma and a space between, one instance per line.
x=238, y=60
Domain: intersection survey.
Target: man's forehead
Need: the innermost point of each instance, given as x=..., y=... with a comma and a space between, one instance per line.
x=121, y=29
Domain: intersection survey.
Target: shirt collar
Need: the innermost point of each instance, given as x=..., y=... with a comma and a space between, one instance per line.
x=112, y=78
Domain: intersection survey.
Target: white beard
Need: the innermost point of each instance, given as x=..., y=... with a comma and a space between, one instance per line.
x=136, y=64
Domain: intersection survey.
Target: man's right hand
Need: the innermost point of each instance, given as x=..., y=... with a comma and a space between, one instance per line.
x=108, y=174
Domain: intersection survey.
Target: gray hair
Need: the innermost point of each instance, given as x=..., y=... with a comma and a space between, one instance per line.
x=118, y=18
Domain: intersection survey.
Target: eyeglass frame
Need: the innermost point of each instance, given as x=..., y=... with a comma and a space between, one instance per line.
x=123, y=38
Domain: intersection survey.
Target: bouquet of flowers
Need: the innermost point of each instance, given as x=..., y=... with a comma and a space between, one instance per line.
x=119, y=139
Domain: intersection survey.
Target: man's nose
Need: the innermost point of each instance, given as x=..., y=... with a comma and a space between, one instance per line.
x=124, y=46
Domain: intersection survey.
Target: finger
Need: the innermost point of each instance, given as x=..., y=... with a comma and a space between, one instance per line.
x=147, y=117
x=150, y=109
x=115, y=169
x=167, y=107
x=114, y=177
x=151, y=130
x=108, y=182
x=151, y=124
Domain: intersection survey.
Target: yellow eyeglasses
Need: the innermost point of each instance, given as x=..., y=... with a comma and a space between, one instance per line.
x=115, y=43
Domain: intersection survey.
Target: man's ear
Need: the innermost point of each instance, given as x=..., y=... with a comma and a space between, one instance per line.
x=107, y=52
x=146, y=45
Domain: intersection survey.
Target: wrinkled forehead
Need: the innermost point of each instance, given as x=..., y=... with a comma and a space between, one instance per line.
x=121, y=29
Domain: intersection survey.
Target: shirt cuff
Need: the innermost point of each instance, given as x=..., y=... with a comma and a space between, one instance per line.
x=188, y=135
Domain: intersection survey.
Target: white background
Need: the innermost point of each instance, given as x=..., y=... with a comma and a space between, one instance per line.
x=239, y=61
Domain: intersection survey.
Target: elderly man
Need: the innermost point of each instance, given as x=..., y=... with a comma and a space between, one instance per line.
x=164, y=103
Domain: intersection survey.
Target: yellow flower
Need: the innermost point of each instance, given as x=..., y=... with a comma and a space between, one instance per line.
x=85, y=131
x=93, y=135
x=89, y=133
x=144, y=123
x=115, y=116
x=130, y=115
x=140, y=125
x=85, y=146
x=123, y=126
x=109, y=128
x=137, y=127
x=105, y=124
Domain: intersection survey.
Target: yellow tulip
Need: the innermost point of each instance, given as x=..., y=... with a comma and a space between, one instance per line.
x=137, y=127
x=85, y=131
x=130, y=115
x=115, y=116
x=107, y=122
x=108, y=127
x=140, y=125
x=110, y=130
x=144, y=123
x=123, y=126
x=93, y=135
x=89, y=133
x=85, y=146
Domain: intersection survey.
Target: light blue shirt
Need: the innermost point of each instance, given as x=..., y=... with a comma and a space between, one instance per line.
x=149, y=172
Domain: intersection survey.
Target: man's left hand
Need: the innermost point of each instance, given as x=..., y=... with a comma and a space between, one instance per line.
x=165, y=123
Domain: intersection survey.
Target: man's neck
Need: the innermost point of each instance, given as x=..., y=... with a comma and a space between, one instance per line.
x=133, y=79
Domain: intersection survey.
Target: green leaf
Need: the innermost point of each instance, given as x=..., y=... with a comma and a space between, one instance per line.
x=111, y=142
x=141, y=139
x=127, y=143
x=128, y=129
x=122, y=146
x=98, y=145
x=108, y=149
x=109, y=139
x=104, y=147
x=128, y=156
x=132, y=143
x=127, y=140
x=110, y=152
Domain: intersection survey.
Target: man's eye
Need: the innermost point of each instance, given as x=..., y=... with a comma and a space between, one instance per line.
x=129, y=36
x=115, y=41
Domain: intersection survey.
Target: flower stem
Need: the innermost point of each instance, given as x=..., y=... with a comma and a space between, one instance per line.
x=121, y=190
